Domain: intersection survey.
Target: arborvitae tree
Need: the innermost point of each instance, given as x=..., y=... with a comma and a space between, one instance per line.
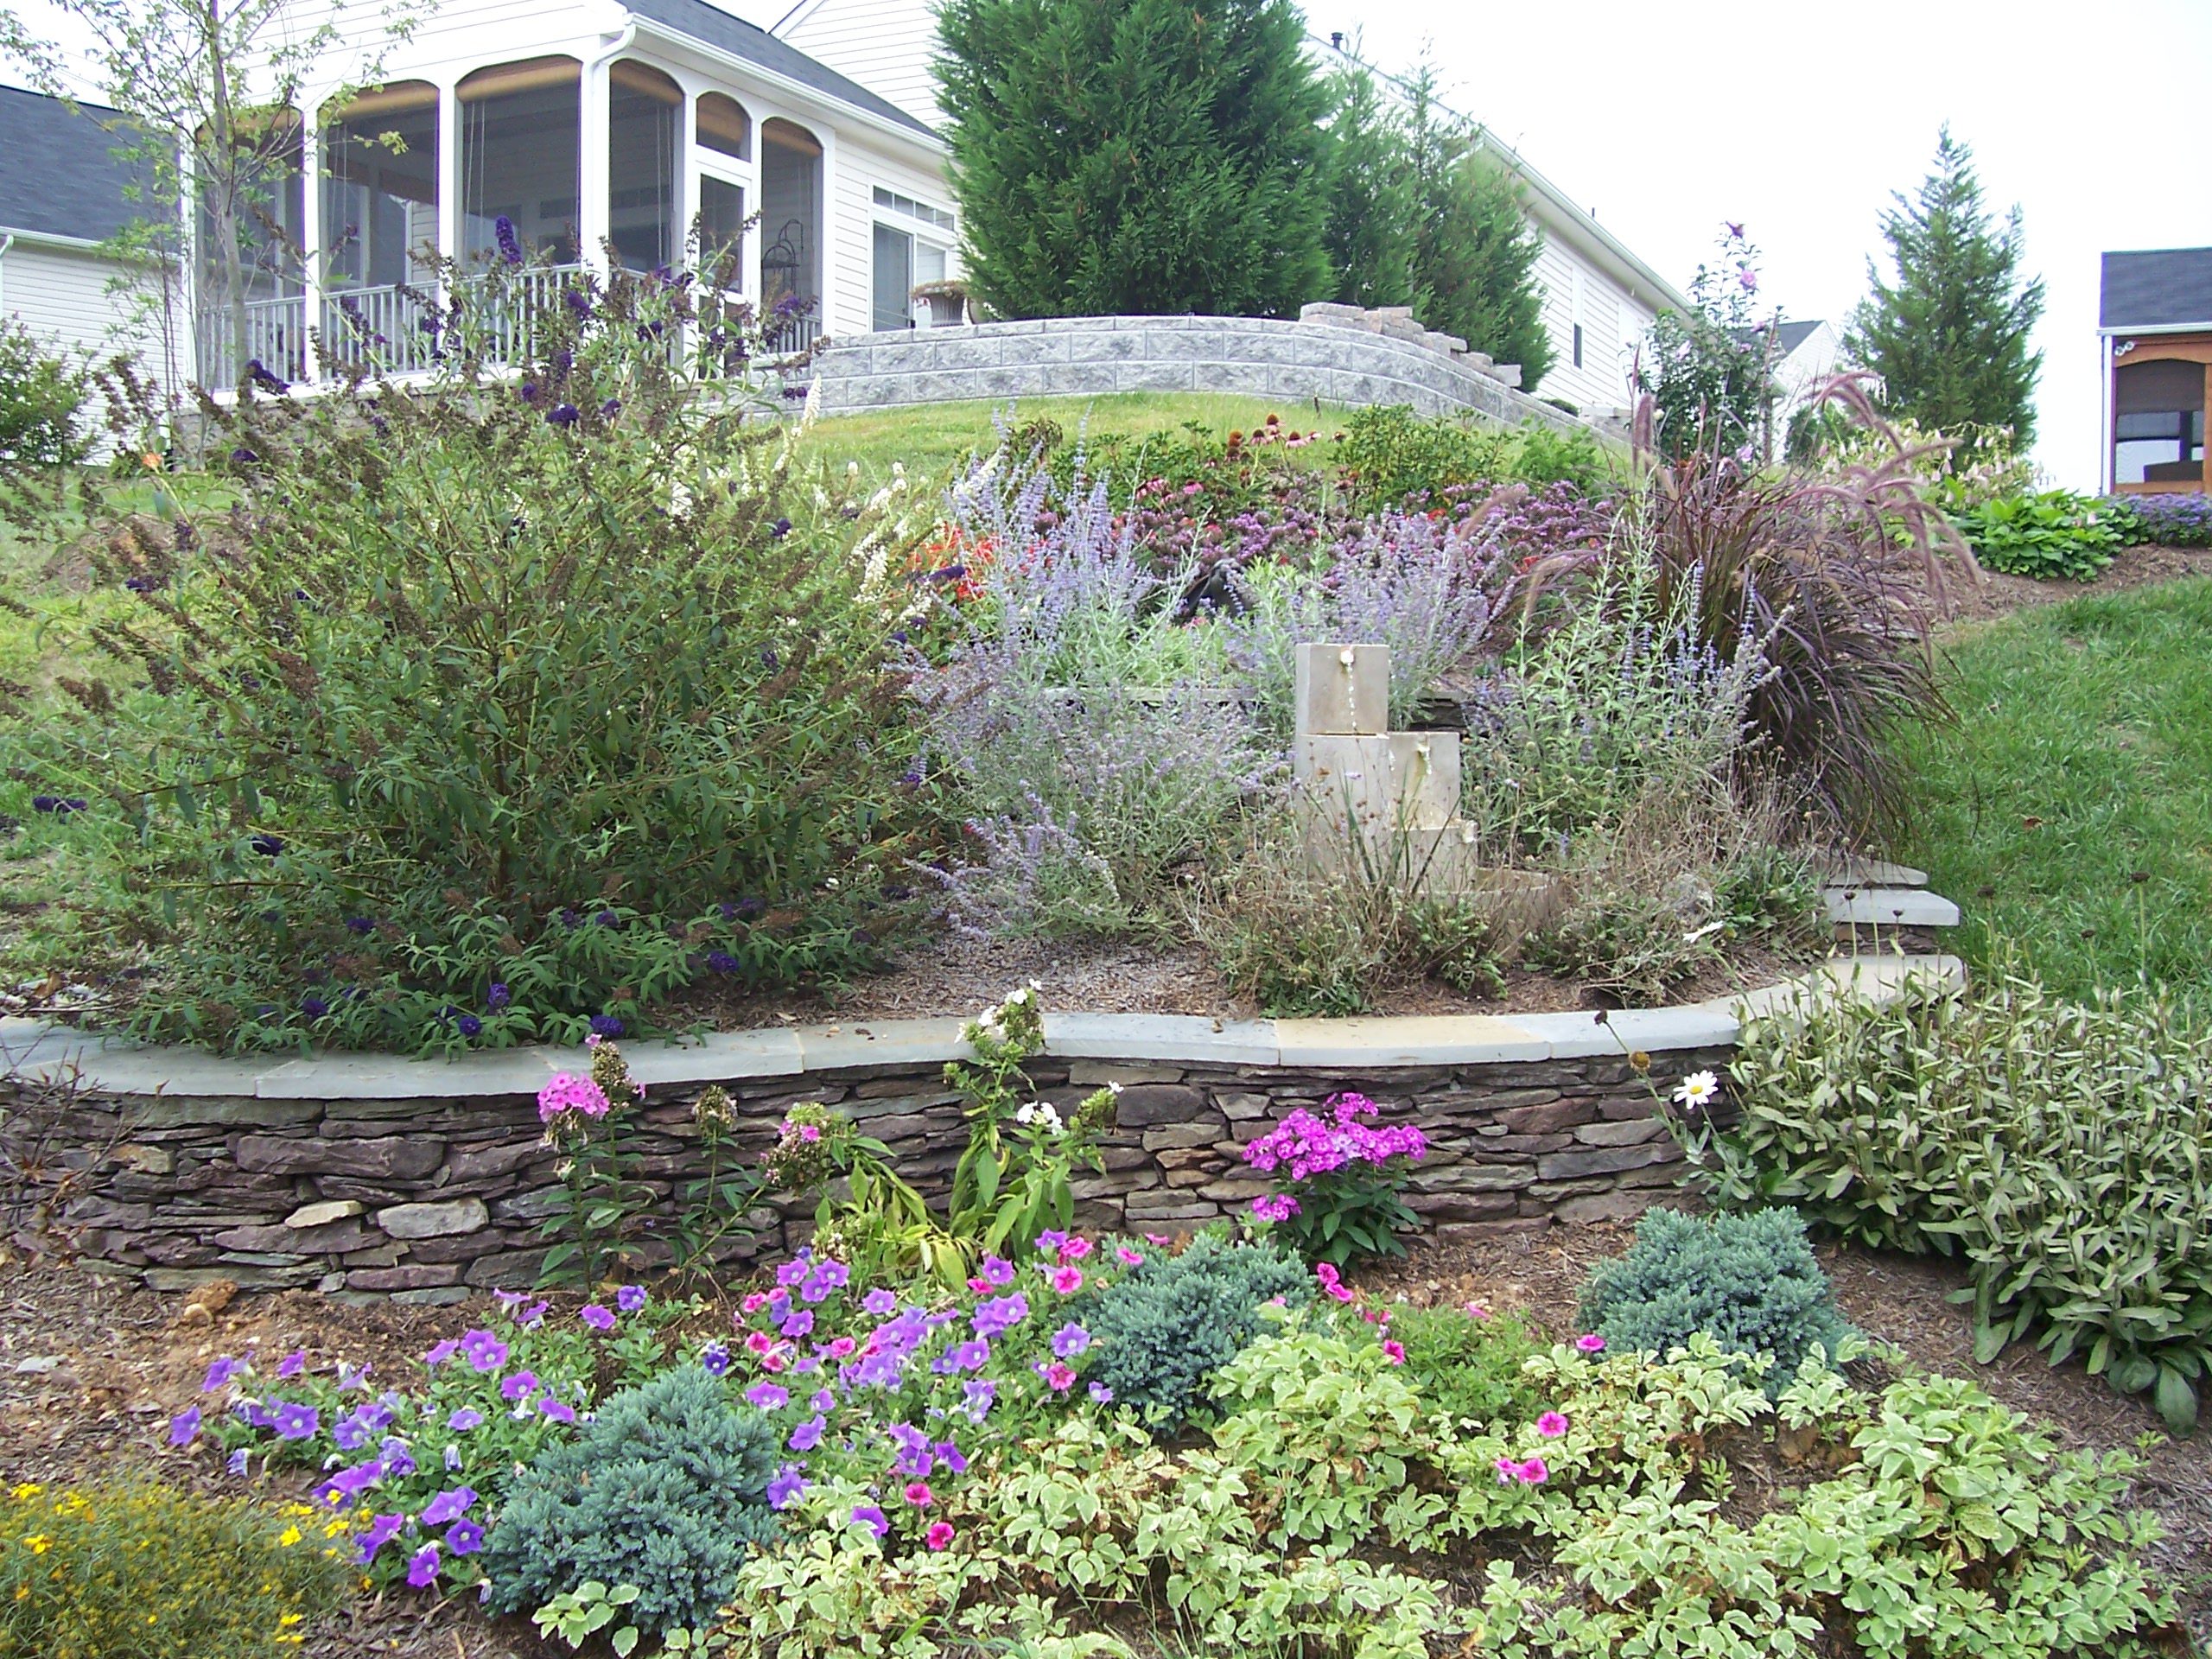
x=1475, y=247
x=1950, y=336
x=1371, y=217
x=1136, y=156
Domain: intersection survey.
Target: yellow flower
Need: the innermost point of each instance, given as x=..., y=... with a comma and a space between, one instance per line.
x=336, y=1527
x=290, y=1619
x=39, y=1543
x=290, y=1536
x=29, y=1489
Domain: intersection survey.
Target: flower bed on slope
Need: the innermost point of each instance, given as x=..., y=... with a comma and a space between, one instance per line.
x=1316, y=1407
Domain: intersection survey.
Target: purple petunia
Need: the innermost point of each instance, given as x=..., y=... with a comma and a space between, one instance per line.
x=768, y=1396
x=464, y=1537
x=294, y=1422
x=448, y=1505
x=221, y=1372
x=714, y=1359
x=485, y=1352
x=464, y=1419
x=374, y=1536
x=868, y=1515
x=184, y=1428
x=785, y=1487
x=423, y=1568
x=555, y=1409
x=808, y=1435
x=878, y=1303
x=631, y=1298
x=515, y=1386
x=441, y=1352
x=597, y=1317
x=996, y=1315
x=1070, y=1340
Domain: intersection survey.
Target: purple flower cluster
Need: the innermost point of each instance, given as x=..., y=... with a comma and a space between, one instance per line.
x=2166, y=520
x=1308, y=1146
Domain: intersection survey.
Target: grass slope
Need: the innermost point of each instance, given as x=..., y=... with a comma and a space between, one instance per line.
x=2068, y=810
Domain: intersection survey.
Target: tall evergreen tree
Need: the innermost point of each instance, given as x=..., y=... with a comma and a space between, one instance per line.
x=1475, y=247
x=1136, y=156
x=1372, y=207
x=1950, y=336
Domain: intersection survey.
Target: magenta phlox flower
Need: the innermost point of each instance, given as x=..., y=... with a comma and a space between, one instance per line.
x=1306, y=1145
x=568, y=1096
x=1275, y=1206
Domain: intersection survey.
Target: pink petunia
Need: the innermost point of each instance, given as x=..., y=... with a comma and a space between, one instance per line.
x=1395, y=1353
x=1475, y=1311
x=1551, y=1424
x=919, y=1494
x=1075, y=1249
x=1060, y=1376
x=1532, y=1472
x=939, y=1535
x=1591, y=1343
x=1507, y=1470
x=1127, y=1257
x=1067, y=1280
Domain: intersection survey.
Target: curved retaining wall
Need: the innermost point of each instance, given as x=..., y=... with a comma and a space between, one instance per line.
x=1075, y=357
x=423, y=1180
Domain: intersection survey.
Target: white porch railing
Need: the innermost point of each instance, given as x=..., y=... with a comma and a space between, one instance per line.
x=789, y=337
x=275, y=337
x=379, y=329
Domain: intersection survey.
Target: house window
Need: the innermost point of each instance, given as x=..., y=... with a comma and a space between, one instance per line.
x=724, y=126
x=1578, y=344
x=2158, y=422
x=907, y=207
x=644, y=106
x=721, y=225
x=904, y=262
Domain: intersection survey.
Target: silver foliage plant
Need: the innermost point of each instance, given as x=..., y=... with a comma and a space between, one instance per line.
x=1086, y=725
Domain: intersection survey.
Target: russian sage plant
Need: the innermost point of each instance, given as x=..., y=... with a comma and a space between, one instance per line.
x=1086, y=729
x=1432, y=590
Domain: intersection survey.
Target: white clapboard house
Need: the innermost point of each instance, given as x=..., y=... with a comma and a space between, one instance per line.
x=598, y=124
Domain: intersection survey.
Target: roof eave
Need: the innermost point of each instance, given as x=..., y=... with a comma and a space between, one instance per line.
x=921, y=136
x=1586, y=224
x=2157, y=328
x=50, y=239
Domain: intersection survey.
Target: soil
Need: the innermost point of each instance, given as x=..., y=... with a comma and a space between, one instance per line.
x=90, y=1370
x=949, y=974
x=1970, y=598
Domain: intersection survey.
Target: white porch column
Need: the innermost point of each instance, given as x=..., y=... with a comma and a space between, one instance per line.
x=595, y=174
x=311, y=252
x=449, y=174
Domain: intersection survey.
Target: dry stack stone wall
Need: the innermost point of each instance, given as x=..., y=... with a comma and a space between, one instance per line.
x=426, y=1199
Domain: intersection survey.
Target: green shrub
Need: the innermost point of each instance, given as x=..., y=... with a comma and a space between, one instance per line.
x=544, y=690
x=2050, y=535
x=40, y=399
x=1469, y=1368
x=1749, y=1281
x=2058, y=1147
x=665, y=1490
x=1390, y=454
x=1546, y=455
x=153, y=1572
x=1162, y=1331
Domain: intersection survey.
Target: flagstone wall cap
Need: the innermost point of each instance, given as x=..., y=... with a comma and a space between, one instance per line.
x=113, y=1066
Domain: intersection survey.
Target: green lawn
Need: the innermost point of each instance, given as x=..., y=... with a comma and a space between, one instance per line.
x=2068, y=811
x=929, y=439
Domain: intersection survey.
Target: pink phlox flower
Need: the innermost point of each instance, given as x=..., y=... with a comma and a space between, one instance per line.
x=566, y=1094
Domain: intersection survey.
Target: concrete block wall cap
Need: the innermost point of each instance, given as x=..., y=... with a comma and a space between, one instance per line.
x=880, y=1042
x=722, y=1056
x=1439, y=1040
x=1190, y=1037
x=1851, y=870
x=1891, y=907
x=377, y=1077
x=1626, y=1031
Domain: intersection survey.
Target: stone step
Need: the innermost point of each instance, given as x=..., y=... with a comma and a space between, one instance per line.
x=1890, y=907
x=1850, y=869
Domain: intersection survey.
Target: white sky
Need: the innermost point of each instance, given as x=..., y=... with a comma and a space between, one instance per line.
x=1799, y=118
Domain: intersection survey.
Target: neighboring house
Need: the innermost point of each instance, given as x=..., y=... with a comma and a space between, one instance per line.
x=1806, y=356
x=1600, y=299
x=2155, y=320
x=63, y=193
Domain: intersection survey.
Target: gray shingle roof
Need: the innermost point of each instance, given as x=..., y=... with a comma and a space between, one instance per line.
x=2157, y=287
x=711, y=26
x=1791, y=335
x=59, y=175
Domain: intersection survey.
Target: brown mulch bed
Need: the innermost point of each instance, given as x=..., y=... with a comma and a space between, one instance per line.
x=1968, y=600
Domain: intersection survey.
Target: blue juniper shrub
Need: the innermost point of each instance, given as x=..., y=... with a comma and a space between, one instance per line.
x=1748, y=1280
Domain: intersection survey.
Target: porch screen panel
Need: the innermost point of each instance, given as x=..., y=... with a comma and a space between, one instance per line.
x=644, y=109
x=380, y=198
x=522, y=156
